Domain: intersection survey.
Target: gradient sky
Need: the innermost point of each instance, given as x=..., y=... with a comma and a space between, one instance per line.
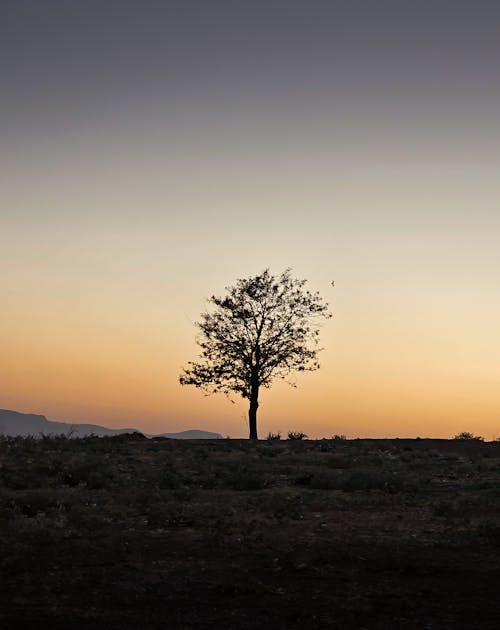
x=151, y=152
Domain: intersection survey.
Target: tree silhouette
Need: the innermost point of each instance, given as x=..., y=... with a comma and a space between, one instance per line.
x=263, y=329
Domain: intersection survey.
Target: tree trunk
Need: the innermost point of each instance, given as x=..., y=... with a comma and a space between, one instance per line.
x=252, y=411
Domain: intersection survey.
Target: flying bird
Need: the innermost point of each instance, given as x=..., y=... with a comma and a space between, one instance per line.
x=333, y=283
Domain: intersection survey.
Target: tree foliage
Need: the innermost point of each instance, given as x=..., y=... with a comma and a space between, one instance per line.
x=263, y=329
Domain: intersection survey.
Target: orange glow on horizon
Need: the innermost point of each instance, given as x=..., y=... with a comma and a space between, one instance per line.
x=140, y=179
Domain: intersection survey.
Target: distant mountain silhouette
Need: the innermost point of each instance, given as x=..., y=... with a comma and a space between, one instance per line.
x=14, y=423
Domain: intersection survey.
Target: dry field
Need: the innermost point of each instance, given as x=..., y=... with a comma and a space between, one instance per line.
x=124, y=532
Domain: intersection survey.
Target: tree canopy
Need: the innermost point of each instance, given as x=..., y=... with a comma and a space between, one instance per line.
x=263, y=329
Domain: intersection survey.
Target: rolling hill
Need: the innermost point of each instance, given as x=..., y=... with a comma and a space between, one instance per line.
x=14, y=423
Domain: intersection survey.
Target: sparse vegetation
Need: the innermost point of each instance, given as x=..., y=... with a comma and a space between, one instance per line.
x=296, y=435
x=467, y=435
x=126, y=532
x=274, y=436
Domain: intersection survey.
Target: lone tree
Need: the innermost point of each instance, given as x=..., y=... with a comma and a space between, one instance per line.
x=264, y=328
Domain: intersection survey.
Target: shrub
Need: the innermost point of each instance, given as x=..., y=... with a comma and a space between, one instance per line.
x=273, y=436
x=339, y=437
x=296, y=435
x=467, y=435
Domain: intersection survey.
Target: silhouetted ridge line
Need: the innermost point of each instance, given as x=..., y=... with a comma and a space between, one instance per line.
x=15, y=423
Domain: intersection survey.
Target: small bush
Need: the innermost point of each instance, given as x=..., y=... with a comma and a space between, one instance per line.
x=467, y=435
x=296, y=435
x=339, y=437
x=273, y=436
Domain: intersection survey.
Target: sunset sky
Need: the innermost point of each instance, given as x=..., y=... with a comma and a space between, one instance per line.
x=152, y=152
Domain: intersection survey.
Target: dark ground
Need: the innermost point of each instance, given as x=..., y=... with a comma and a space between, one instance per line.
x=123, y=532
